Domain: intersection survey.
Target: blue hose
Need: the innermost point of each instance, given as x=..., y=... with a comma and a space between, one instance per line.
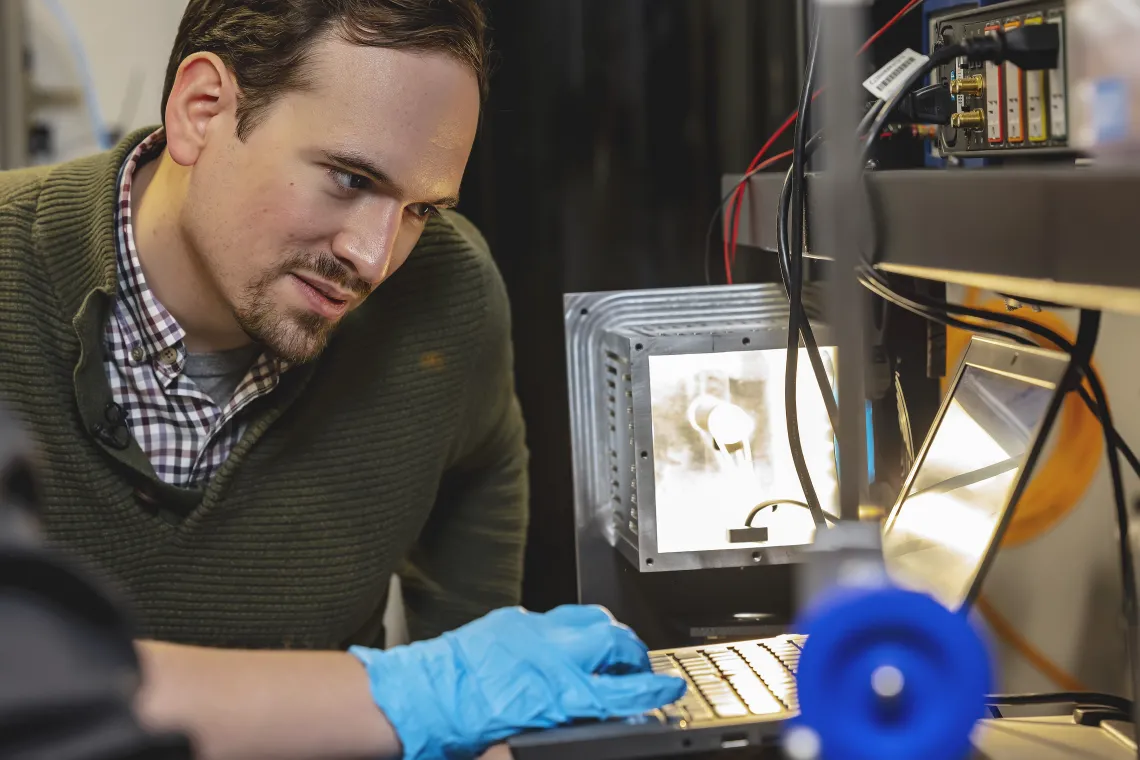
x=83, y=64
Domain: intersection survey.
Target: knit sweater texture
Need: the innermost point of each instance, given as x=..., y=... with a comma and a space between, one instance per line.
x=401, y=449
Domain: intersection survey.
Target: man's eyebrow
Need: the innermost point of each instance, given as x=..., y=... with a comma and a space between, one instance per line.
x=361, y=165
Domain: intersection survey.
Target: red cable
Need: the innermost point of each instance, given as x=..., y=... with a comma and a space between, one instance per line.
x=724, y=232
x=730, y=247
x=738, y=196
x=906, y=9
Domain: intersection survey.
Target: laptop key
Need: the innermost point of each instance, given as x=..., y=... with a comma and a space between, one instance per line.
x=717, y=694
x=731, y=710
x=699, y=712
x=701, y=671
x=703, y=680
x=765, y=705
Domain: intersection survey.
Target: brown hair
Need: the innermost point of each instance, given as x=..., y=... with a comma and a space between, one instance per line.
x=265, y=43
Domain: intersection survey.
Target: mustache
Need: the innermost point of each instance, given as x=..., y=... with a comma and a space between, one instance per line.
x=328, y=267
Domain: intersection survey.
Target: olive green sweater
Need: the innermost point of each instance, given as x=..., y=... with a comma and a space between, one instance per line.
x=400, y=450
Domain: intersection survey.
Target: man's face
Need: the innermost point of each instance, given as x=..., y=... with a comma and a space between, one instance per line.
x=329, y=193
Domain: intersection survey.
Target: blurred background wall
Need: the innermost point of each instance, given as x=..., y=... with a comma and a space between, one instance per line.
x=109, y=53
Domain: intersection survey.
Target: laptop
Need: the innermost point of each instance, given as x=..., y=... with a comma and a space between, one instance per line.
x=940, y=538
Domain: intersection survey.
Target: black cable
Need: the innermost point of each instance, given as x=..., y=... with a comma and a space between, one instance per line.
x=777, y=502
x=938, y=58
x=1034, y=302
x=868, y=118
x=784, y=258
x=1121, y=445
x=717, y=215
x=1080, y=698
x=795, y=284
x=1117, y=441
x=1087, y=330
x=929, y=308
x=932, y=309
x=1090, y=324
x=924, y=302
x=943, y=319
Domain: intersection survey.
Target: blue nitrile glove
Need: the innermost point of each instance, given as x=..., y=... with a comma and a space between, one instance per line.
x=513, y=670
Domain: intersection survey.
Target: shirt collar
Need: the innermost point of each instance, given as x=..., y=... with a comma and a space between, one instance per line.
x=148, y=323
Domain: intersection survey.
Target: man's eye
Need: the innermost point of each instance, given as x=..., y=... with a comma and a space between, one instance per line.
x=348, y=180
x=423, y=211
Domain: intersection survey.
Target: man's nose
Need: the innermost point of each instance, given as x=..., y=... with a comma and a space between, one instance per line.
x=368, y=241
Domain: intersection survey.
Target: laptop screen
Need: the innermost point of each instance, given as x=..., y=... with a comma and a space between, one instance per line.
x=939, y=535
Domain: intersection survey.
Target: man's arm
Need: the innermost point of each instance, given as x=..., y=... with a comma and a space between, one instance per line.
x=469, y=558
x=272, y=705
x=239, y=705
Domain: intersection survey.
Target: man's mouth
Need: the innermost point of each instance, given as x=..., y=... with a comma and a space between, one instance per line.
x=323, y=298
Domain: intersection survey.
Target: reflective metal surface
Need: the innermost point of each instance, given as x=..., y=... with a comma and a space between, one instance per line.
x=955, y=504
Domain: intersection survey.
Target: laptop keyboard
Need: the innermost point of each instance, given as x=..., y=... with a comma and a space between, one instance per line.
x=739, y=680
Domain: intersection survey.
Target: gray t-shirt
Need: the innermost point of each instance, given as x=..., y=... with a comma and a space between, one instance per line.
x=218, y=374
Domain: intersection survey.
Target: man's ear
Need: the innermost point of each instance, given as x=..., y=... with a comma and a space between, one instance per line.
x=203, y=91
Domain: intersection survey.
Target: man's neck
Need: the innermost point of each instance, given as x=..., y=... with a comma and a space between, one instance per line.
x=174, y=273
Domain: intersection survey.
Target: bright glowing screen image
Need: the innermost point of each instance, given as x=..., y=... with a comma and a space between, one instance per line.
x=720, y=447
x=953, y=508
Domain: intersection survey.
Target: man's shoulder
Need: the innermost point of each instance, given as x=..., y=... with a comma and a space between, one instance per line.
x=453, y=246
x=457, y=235
x=19, y=190
x=23, y=191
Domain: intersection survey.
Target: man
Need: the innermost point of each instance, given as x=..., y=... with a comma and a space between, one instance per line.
x=251, y=445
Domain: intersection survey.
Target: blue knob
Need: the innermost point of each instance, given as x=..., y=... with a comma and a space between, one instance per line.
x=887, y=673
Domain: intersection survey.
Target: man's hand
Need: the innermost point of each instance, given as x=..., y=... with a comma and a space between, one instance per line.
x=512, y=671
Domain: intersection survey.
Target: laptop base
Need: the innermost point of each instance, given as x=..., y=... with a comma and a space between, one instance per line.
x=1044, y=738
x=621, y=741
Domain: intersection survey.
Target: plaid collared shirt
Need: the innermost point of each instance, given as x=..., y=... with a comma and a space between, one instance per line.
x=182, y=431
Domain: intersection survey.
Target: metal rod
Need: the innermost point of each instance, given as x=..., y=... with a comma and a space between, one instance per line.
x=834, y=219
x=13, y=86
